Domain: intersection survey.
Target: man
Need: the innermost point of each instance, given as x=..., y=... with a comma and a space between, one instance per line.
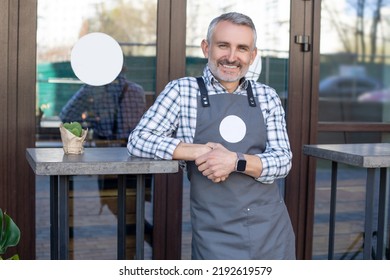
x=110, y=111
x=231, y=133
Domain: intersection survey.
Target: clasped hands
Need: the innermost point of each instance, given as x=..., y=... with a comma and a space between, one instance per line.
x=217, y=163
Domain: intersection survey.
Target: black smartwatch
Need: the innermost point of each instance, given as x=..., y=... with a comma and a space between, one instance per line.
x=241, y=163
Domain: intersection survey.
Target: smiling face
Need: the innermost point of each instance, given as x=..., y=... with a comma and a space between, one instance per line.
x=230, y=52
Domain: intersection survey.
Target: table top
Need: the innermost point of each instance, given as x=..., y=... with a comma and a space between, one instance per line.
x=373, y=155
x=95, y=161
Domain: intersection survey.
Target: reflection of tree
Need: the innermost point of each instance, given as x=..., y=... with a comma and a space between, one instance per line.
x=360, y=34
x=374, y=29
x=129, y=22
x=342, y=29
x=365, y=29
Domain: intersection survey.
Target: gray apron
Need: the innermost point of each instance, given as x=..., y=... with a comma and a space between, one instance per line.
x=239, y=218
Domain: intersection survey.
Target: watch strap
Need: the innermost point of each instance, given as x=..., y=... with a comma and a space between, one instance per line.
x=240, y=156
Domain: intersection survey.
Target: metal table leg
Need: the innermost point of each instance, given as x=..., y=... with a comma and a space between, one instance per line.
x=382, y=214
x=140, y=217
x=369, y=209
x=63, y=235
x=121, y=242
x=54, y=217
x=332, y=215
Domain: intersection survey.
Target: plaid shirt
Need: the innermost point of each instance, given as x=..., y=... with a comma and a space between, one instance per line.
x=112, y=111
x=172, y=119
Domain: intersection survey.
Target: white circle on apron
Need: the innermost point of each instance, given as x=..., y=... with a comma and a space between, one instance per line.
x=232, y=129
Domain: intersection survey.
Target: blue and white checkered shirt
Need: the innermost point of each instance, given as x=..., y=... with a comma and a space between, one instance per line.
x=172, y=119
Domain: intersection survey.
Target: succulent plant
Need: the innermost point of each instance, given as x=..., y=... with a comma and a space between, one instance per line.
x=75, y=128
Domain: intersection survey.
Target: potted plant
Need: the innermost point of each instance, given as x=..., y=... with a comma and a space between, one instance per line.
x=73, y=137
x=9, y=235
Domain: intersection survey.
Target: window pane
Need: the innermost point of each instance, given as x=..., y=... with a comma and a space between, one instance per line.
x=354, y=73
x=132, y=23
x=272, y=19
x=354, y=87
x=61, y=23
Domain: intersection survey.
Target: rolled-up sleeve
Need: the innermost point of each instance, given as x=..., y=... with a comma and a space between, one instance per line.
x=153, y=137
x=277, y=157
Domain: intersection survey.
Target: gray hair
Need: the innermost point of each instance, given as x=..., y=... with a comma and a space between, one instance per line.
x=235, y=18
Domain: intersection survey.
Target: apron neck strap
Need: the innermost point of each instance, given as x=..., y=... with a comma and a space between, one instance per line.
x=249, y=93
x=204, y=96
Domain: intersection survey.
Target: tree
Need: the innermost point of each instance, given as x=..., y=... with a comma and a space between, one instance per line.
x=366, y=33
x=374, y=28
x=130, y=23
x=360, y=33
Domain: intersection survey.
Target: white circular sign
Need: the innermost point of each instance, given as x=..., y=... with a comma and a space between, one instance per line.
x=96, y=59
x=232, y=129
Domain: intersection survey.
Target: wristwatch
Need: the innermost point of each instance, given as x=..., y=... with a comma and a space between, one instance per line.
x=241, y=163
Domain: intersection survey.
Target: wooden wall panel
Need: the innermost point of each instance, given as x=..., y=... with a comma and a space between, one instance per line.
x=26, y=95
x=17, y=124
x=4, y=15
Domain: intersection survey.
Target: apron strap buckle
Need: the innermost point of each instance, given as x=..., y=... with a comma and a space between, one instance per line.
x=204, y=97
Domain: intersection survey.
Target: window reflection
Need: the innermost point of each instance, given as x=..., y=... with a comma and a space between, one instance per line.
x=110, y=112
x=354, y=76
x=61, y=23
x=271, y=18
x=93, y=199
x=272, y=21
x=354, y=87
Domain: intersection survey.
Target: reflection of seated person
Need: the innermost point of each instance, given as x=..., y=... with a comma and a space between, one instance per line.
x=110, y=111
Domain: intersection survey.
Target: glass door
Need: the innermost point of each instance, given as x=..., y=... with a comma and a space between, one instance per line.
x=272, y=21
x=354, y=98
x=132, y=23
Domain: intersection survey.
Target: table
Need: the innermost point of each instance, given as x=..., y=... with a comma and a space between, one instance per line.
x=94, y=161
x=372, y=157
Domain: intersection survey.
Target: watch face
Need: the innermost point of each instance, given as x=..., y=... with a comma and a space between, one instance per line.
x=241, y=165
